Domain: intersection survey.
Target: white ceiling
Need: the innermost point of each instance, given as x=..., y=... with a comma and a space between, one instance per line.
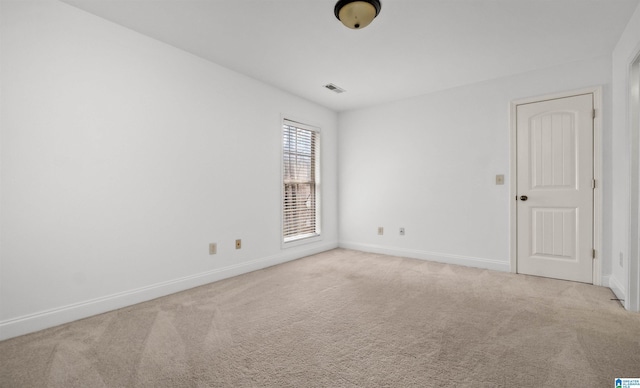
x=413, y=47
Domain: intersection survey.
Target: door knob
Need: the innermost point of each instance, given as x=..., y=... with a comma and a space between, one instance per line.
x=523, y=197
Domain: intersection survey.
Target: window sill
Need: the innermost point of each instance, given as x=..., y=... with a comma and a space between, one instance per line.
x=301, y=240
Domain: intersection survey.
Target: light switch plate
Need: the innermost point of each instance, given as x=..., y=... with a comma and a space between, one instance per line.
x=500, y=179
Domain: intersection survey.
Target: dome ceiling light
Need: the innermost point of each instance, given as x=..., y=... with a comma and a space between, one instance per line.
x=357, y=14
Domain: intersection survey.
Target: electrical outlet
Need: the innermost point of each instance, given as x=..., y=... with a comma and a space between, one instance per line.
x=213, y=248
x=401, y=231
x=621, y=259
x=238, y=244
x=500, y=179
x=380, y=230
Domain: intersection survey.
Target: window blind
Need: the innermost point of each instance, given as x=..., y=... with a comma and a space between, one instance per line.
x=300, y=205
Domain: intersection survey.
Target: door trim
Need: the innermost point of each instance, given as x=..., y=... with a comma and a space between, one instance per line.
x=596, y=92
x=632, y=297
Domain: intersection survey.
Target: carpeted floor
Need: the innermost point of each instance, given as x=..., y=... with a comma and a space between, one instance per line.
x=344, y=319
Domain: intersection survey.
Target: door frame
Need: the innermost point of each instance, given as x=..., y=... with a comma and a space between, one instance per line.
x=596, y=92
x=632, y=297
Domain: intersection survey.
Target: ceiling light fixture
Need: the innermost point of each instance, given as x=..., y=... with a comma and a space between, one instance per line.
x=357, y=14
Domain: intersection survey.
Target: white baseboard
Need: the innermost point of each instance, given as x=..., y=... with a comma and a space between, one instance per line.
x=45, y=319
x=446, y=258
x=616, y=287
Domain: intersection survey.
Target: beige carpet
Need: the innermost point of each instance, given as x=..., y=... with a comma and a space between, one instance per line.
x=344, y=319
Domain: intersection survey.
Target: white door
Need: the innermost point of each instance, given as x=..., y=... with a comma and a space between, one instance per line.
x=555, y=188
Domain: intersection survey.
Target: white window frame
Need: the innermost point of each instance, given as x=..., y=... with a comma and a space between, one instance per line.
x=314, y=237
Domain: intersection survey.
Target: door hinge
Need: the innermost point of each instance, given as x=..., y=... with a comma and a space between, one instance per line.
x=593, y=184
x=594, y=114
x=593, y=253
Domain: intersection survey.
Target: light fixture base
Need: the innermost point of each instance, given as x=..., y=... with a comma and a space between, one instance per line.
x=357, y=14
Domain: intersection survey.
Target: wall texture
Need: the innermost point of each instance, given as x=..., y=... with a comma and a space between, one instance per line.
x=122, y=158
x=626, y=50
x=428, y=164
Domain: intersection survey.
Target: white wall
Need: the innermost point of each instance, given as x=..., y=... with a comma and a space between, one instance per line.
x=627, y=48
x=429, y=164
x=123, y=158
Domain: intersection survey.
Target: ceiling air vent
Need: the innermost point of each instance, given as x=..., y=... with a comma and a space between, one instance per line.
x=334, y=88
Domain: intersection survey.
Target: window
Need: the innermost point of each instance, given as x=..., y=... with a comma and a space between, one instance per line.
x=300, y=202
